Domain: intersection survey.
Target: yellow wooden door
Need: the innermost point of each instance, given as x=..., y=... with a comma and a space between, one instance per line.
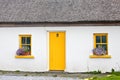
x=57, y=50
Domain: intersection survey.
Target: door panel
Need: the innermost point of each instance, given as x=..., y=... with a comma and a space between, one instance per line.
x=57, y=50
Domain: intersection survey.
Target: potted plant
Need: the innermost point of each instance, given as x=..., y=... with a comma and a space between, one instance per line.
x=26, y=51
x=20, y=51
x=99, y=51
x=23, y=51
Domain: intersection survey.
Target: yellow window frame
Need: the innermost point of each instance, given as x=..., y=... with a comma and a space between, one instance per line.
x=20, y=45
x=20, y=40
x=101, y=34
x=94, y=43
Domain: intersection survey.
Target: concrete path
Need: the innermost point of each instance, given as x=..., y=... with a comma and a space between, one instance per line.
x=18, y=75
x=2, y=77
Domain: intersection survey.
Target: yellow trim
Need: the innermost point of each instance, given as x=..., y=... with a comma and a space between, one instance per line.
x=24, y=56
x=103, y=56
x=25, y=35
x=100, y=34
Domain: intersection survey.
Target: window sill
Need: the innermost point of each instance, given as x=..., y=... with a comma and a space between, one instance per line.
x=24, y=57
x=103, y=56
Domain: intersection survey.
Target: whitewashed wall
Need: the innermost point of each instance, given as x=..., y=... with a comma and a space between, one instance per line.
x=79, y=45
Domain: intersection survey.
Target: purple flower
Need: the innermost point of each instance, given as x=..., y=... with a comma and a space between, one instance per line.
x=20, y=51
x=99, y=51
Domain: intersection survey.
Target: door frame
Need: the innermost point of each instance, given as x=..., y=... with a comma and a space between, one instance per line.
x=49, y=48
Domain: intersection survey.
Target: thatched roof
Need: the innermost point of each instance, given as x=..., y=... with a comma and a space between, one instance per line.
x=59, y=10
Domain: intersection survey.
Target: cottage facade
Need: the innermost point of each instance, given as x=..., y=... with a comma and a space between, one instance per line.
x=59, y=35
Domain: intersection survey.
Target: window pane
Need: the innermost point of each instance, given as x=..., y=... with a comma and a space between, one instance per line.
x=97, y=45
x=104, y=46
x=104, y=39
x=28, y=40
x=28, y=47
x=23, y=40
x=24, y=46
x=97, y=39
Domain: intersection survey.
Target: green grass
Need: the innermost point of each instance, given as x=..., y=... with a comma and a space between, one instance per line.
x=94, y=72
x=17, y=71
x=113, y=77
x=116, y=73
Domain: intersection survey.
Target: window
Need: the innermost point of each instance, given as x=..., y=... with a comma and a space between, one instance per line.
x=25, y=46
x=100, y=40
x=100, y=44
x=25, y=43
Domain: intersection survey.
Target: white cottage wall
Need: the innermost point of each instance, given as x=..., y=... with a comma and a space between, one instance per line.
x=79, y=45
x=10, y=43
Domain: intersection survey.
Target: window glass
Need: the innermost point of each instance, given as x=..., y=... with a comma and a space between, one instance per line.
x=23, y=40
x=104, y=46
x=97, y=39
x=28, y=40
x=104, y=39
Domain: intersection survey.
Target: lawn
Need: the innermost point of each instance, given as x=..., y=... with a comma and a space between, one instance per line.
x=112, y=76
